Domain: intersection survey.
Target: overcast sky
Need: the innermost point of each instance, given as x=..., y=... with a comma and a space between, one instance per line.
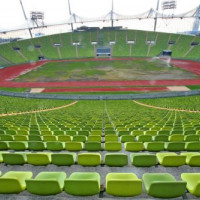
x=57, y=10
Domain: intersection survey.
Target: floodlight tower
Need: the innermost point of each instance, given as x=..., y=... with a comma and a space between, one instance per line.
x=197, y=20
x=157, y=8
x=111, y=13
x=25, y=17
x=69, y=7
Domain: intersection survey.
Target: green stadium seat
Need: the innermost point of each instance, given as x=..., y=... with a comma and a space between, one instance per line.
x=63, y=159
x=96, y=132
x=193, y=183
x=79, y=138
x=36, y=146
x=4, y=145
x=46, y=183
x=7, y=138
x=192, y=146
x=14, y=158
x=74, y=146
x=137, y=133
x=35, y=138
x=192, y=158
x=13, y=182
x=47, y=138
x=120, y=133
x=190, y=132
x=94, y=138
x=163, y=185
x=113, y=146
x=71, y=133
x=152, y=133
x=127, y=138
x=171, y=159
x=143, y=159
x=57, y=133
x=134, y=146
x=164, y=132
x=144, y=138
x=18, y=146
x=93, y=146
x=89, y=159
x=21, y=138
x=85, y=133
x=176, y=138
x=160, y=138
x=55, y=146
x=174, y=146
x=83, y=184
x=154, y=146
x=64, y=138
x=110, y=132
x=123, y=184
x=46, y=132
x=111, y=138
x=39, y=158
x=191, y=138
x=115, y=159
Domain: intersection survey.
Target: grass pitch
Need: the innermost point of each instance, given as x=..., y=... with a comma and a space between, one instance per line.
x=116, y=70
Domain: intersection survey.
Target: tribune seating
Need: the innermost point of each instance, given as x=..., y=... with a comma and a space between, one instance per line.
x=192, y=159
x=116, y=159
x=89, y=159
x=63, y=159
x=133, y=146
x=39, y=158
x=15, y=158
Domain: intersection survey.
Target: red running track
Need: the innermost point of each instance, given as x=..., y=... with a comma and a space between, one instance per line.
x=135, y=89
x=9, y=73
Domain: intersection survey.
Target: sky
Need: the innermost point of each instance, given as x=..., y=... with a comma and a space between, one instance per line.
x=11, y=14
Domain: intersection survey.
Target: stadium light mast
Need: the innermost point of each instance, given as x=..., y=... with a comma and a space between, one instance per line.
x=112, y=21
x=70, y=15
x=25, y=17
x=155, y=23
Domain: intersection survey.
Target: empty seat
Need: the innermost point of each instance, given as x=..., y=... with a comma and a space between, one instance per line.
x=120, y=133
x=171, y=159
x=35, y=138
x=21, y=138
x=89, y=159
x=193, y=183
x=85, y=133
x=18, y=146
x=116, y=159
x=14, y=182
x=83, y=184
x=111, y=138
x=191, y=138
x=163, y=185
x=56, y=133
x=192, y=159
x=133, y=146
x=160, y=138
x=63, y=159
x=113, y=146
x=55, y=146
x=36, y=146
x=7, y=138
x=192, y=146
x=71, y=133
x=93, y=146
x=143, y=159
x=176, y=138
x=64, y=138
x=137, y=133
x=39, y=158
x=79, y=138
x=14, y=158
x=127, y=138
x=164, y=132
x=154, y=146
x=46, y=183
x=174, y=146
x=4, y=145
x=144, y=138
x=74, y=146
x=152, y=133
x=47, y=138
x=94, y=138
x=123, y=184
x=110, y=132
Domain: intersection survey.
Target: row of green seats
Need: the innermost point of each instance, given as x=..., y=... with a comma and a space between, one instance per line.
x=160, y=185
x=168, y=159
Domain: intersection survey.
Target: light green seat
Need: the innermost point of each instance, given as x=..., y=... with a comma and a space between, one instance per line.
x=85, y=133
x=46, y=183
x=79, y=138
x=115, y=159
x=193, y=183
x=176, y=138
x=57, y=133
x=4, y=145
x=111, y=138
x=143, y=159
x=152, y=133
x=94, y=138
x=64, y=138
x=144, y=138
x=120, y=133
x=154, y=146
x=83, y=184
x=110, y=132
x=137, y=133
x=43, y=132
x=21, y=138
x=89, y=159
x=96, y=132
x=55, y=146
x=171, y=159
x=191, y=138
x=7, y=138
x=160, y=138
x=47, y=138
x=14, y=182
x=74, y=146
x=14, y=158
x=93, y=146
x=192, y=146
x=192, y=158
x=71, y=133
x=35, y=138
x=174, y=146
x=127, y=138
x=133, y=146
x=163, y=185
x=39, y=158
x=164, y=132
x=36, y=146
x=63, y=159
x=113, y=146
x=18, y=146
x=123, y=184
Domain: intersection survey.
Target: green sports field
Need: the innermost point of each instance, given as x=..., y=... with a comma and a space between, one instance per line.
x=105, y=71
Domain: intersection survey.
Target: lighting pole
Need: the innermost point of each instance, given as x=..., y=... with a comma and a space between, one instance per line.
x=155, y=23
x=69, y=7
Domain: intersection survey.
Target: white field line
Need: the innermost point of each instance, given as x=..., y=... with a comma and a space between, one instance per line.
x=37, y=111
x=171, y=109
